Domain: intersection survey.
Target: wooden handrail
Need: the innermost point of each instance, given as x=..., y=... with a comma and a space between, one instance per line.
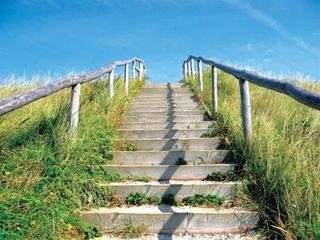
x=300, y=94
x=15, y=102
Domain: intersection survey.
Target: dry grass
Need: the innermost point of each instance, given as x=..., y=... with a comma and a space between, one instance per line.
x=283, y=161
x=44, y=175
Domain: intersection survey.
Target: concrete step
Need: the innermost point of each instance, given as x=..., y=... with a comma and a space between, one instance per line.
x=162, y=86
x=166, y=125
x=166, y=93
x=175, y=90
x=169, y=219
x=163, y=98
x=179, y=118
x=173, y=144
x=165, y=114
x=162, y=102
x=163, y=108
x=180, y=189
x=171, y=172
x=162, y=133
x=169, y=157
x=165, y=104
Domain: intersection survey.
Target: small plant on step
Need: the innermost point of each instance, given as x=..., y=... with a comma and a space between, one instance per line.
x=222, y=176
x=130, y=230
x=201, y=200
x=136, y=178
x=181, y=161
x=138, y=199
x=123, y=146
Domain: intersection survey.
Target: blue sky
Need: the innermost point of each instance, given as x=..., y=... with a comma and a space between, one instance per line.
x=38, y=36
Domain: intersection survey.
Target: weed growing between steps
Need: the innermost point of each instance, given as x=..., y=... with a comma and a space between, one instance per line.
x=198, y=200
x=45, y=176
x=138, y=199
x=135, y=179
x=223, y=176
x=282, y=164
x=130, y=230
x=124, y=146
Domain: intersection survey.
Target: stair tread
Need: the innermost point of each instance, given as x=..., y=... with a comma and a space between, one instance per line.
x=166, y=209
x=171, y=182
x=168, y=151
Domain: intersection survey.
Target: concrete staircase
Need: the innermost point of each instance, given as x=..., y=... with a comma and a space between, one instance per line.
x=165, y=125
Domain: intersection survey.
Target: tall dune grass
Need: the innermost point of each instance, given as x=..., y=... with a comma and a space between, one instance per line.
x=282, y=163
x=45, y=177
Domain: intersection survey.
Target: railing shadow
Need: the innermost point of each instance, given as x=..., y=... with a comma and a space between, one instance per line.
x=171, y=223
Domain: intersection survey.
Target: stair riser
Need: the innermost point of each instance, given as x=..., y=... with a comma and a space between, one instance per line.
x=163, y=102
x=166, y=91
x=178, y=125
x=175, y=144
x=163, y=114
x=180, y=118
x=179, y=191
x=162, y=109
x=169, y=157
x=164, y=98
x=165, y=94
x=169, y=222
x=155, y=134
x=162, y=172
x=162, y=86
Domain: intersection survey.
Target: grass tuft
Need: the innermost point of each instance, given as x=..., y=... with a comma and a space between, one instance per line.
x=130, y=230
x=202, y=200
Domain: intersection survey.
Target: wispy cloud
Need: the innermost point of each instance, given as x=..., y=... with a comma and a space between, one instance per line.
x=273, y=24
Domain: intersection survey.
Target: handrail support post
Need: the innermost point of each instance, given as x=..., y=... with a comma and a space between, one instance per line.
x=245, y=109
x=134, y=70
x=185, y=70
x=74, y=112
x=140, y=71
x=200, y=75
x=192, y=68
x=126, y=78
x=214, y=90
x=111, y=80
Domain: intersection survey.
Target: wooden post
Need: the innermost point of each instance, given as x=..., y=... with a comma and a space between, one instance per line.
x=140, y=71
x=214, y=90
x=111, y=80
x=126, y=77
x=185, y=70
x=75, y=105
x=189, y=68
x=200, y=75
x=245, y=109
x=192, y=68
x=134, y=69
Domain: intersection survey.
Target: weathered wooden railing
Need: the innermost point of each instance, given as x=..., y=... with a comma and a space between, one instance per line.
x=300, y=94
x=12, y=103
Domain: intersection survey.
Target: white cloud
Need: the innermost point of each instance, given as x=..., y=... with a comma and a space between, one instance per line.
x=273, y=24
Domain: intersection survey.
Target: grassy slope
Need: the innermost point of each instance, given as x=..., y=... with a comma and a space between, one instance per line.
x=44, y=176
x=283, y=162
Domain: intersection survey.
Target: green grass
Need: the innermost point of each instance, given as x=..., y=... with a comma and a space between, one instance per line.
x=130, y=230
x=45, y=177
x=199, y=200
x=223, y=176
x=282, y=163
